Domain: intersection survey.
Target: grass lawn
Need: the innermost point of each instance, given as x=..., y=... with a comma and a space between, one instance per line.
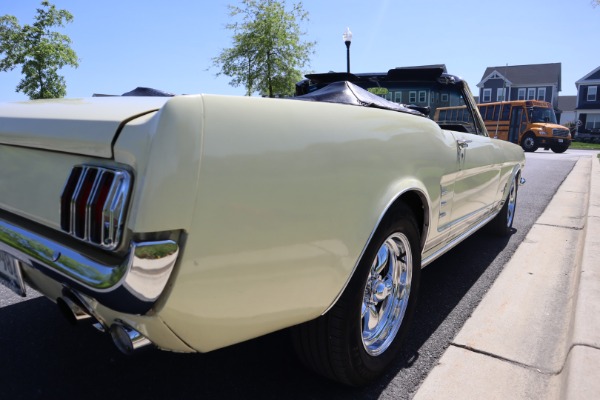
x=585, y=146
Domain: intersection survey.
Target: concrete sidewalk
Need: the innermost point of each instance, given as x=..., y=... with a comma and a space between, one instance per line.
x=536, y=333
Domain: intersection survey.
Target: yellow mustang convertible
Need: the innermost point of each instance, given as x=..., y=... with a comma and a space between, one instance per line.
x=195, y=222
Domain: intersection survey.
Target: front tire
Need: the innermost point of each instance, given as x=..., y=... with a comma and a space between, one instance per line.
x=528, y=143
x=360, y=336
x=559, y=149
x=502, y=223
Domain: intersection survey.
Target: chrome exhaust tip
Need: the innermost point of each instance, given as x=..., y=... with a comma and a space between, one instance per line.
x=127, y=339
x=72, y=311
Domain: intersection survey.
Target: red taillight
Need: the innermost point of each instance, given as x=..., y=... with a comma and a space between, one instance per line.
x=93, y=204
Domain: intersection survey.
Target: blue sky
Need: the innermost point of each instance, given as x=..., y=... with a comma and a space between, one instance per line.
x=169, y=45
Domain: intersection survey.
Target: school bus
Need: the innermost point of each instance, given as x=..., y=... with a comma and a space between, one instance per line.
x=529, y=123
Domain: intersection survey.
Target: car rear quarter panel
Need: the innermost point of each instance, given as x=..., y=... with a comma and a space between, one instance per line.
x=288, y=194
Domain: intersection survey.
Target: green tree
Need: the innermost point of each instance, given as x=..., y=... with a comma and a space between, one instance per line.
x=267, y=53
x=40, y=51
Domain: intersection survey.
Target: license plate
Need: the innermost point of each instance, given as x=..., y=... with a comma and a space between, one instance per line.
x=560, y=140
x=10, y=273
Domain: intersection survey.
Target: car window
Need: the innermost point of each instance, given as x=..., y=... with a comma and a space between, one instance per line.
x=444, y=104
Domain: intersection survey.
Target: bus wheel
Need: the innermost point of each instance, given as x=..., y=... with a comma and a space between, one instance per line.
x=528, y=143
x=559, y=149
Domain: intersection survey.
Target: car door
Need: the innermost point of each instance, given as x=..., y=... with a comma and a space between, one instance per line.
x=476, y=182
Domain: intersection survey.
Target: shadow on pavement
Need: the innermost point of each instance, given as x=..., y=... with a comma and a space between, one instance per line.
x=45, y=357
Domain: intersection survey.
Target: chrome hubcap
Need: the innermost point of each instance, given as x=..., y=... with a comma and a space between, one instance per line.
x=512, y=204
x=386, y=294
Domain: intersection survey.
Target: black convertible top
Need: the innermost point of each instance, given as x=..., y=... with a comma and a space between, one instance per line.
x=345, y=92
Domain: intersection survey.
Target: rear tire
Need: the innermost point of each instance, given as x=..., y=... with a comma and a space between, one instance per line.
x=361, y=335
x=528, y=143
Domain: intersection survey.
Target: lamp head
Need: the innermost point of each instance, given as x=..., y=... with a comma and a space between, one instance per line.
x=347, y=36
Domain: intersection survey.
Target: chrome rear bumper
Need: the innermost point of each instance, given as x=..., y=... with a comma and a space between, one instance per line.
x=130, y=285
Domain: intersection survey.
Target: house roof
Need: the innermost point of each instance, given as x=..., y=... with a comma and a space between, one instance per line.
x=592, y=76
x=530, y=74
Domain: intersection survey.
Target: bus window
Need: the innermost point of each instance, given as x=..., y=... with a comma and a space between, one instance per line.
x=483, y=110
x=496, y=113
x=489, y=113
x=505, y=112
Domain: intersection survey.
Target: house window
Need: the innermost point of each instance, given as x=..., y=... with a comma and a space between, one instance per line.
x=412, y=97
x=422, y=96
x=592, y=91
x=487, y=95
x=592, y=122
x=541, y=94
x=444, y=97
x=531, y=94
x=500, y=94
x=521, y=94
x=398, y=97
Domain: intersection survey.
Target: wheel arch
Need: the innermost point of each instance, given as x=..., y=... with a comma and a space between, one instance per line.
x=417, y=200
x=527, y=133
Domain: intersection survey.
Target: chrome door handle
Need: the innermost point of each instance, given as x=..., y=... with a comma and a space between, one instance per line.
x=463, y=143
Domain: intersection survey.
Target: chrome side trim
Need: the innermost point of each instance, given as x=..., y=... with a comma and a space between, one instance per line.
x=453, y=242
x=456, y=240
x=130, y=285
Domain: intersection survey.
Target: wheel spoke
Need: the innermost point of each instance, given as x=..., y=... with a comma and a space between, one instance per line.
x=370, y=318
x=382, y=259
x=386, y=294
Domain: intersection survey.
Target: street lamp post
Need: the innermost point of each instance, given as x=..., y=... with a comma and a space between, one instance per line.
x=347, y=39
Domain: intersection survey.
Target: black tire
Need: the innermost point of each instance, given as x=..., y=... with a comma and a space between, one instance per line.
x=559, y=148
x=341, y=345
x=502, y=223
x=528, y=143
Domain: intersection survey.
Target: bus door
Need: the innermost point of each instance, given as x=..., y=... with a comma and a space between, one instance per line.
x=518, y=122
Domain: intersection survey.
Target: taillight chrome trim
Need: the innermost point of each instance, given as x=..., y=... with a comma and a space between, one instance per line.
x=93, y=204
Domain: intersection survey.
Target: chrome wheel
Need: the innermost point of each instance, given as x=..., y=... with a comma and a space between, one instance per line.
x=362, y=334
x=512, y=204
x=386, y=294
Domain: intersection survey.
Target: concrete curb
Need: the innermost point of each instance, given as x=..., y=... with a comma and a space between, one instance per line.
x=536, y=334
x=580, y=376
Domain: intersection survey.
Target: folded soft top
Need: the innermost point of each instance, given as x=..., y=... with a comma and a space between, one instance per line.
x=348, y=93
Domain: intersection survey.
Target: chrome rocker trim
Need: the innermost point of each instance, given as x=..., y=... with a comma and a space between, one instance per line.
x=130, y=285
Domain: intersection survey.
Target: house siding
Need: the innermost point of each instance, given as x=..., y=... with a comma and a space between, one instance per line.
x=533, y=76
x=588, y=112
x=583, y=101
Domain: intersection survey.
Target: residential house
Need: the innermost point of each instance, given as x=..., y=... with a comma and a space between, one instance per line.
x=521, y=82
x=567, y=104
x=588, y=106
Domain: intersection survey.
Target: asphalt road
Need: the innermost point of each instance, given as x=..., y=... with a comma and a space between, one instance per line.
x=43, y=357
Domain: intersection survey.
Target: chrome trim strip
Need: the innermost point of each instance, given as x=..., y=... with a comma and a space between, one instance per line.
x=131, y=285
x=456, y=240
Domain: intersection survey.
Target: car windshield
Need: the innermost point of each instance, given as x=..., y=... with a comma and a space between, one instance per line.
x=541, y=114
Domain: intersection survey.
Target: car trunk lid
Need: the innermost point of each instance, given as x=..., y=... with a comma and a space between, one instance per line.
x=77, y=126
